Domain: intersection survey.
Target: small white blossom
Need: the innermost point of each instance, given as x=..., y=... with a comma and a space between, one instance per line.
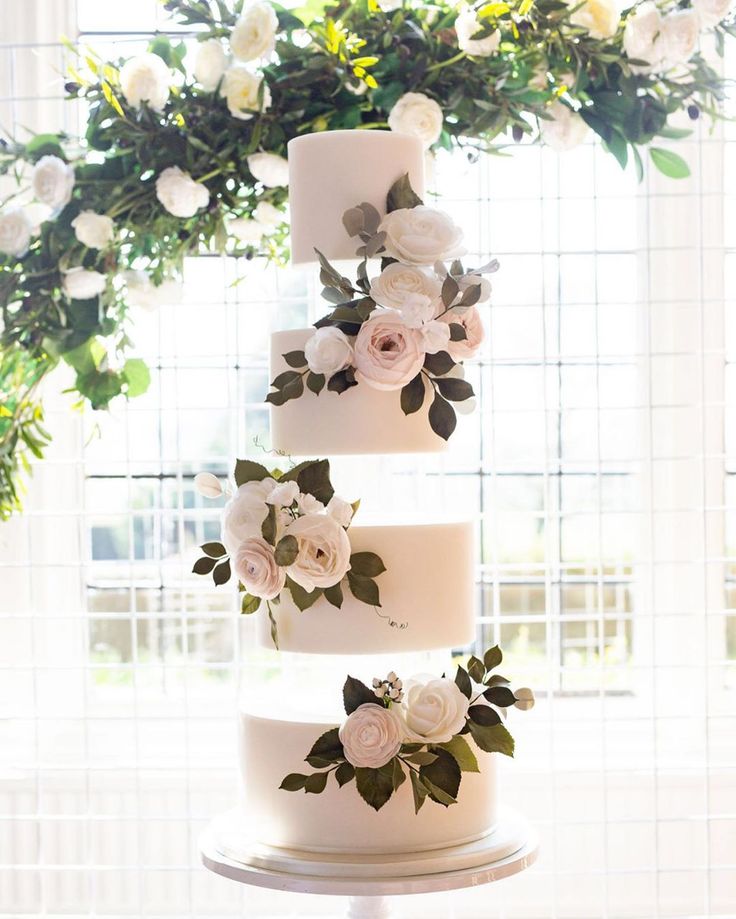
x=93, y=230
x=146, y=78
x=254, y=34
x=52, y=182
x=179, y=194
x=340, y=511
x=242, y=91
x=81, y=284
x=15, y=232
x=269, y=168
x=209, y=64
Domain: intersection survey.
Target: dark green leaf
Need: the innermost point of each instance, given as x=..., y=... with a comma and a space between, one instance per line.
x=203, y=565
x=460, y=750
x=284, y=379
x=476, y=669
x=302, y=599
x=367, y=564
x=493, y=657
x=364, y=589
x=458, y=332
x=497, y=680
x=340, y=382
x=399, y=776
x=483, y=714
x=248, y=471
x=315, y=382
x=442, y=418
x=419, y=790
x=355, y=693
x=344, y=773
x=439, y=364
x=455, y=390
x=422, y=758
x=221, y=573
x=471, y=294
x=375, y=786
x=249, y=604
x=500, y=695
x=412, y=395
x=314, y=479
x=214, y=549
x=316, y=783
x=326, y=750
x=402, y=195
x=442, y=777
x=334, y=596
x=287, y=549
x=268, y=527
x=450, y=290
x=295, y=359
x=294, y=781
x=493, y=739
x=462, y=680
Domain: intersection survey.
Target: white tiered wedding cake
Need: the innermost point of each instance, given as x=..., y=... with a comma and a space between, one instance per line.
x=399, y=772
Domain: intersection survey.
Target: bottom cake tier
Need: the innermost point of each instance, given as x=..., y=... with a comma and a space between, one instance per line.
x=339, y=820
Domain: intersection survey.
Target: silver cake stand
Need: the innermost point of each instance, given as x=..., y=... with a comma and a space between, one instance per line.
x=371, y=880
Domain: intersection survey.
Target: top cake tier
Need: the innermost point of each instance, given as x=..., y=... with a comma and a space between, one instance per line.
x=336, y=170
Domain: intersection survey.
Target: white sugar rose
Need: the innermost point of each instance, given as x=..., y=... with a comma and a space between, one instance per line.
x=641, y=37
x=396, y=282
x=255, y=565
x=209, y=64
x=15, y=232
x=340, y=511
x=421, y=235
x=565, y=131
x=680, y=35
x=466, y=26
x=470, y=320
x=246, y=230
x=418, y=115
x=284, y=494
x=81, y=284
x=388, y=354
x=254, y=34
x=269, y=168
x=328, y=351
x=179, y=193
x=711, y=12
x=244, y=513
x=308, y=504
x=324, y=551
x=142, y=292
x=146, y=78
x=433, y=710
x=371, y=736
x=93, y=230
x=241, y=90
x=599, y=17
x=268, y=215
x=417, y=309
x=435, y=336
x=53, y=182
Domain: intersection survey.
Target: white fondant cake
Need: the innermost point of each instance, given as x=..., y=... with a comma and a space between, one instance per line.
x=338, y=820
x=427, y=597
x=336, y=170
x=360, y=420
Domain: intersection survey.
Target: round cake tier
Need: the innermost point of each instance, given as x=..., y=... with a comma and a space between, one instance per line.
x=360, y=420
x=338, y=819
x=336, y=170
x=426, y=592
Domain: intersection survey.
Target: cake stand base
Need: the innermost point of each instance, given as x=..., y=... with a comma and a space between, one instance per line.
x=368, y=880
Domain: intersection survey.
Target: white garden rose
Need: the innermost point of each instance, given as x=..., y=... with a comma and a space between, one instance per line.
x=328, y=351
x=268, y=215
x=93, y=230
x=417, y=309
x=471, y=321
x=641, y=37
x=388, y=354
x=15, y=232
x=599, y=17
x=340, y=511
x=81, y=284
x=435, y=336
x=466, y=26
x=396, y=282
x=53, y=182
x=434, y=709
x=418, y=115
x=284, y=494
x=269, y=168
x=179, y=193
x=679, y=37
x=421, y=235
x=146, y=78
x=209, y=64
x=244, y=513
x=711, y=12
x=246, y=230
x=254, y=34
x=565, y=131
x=371, y=736
x=241, y=89
x=254, y=563
x=142, y=292
x=308, y=504
x=324, y=551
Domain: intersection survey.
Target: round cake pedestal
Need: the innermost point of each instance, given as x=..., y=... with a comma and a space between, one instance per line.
x=368, y=881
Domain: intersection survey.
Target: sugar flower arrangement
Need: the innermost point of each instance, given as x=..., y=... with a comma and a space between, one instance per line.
x=286, y=531
x=406, y=329
x=417, y=728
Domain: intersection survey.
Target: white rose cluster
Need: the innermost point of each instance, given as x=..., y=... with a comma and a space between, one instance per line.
x=662, y=42
x=600, y=18
x=179, y=193
x=564, y=129
x=322, y=545
x=93, y=230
